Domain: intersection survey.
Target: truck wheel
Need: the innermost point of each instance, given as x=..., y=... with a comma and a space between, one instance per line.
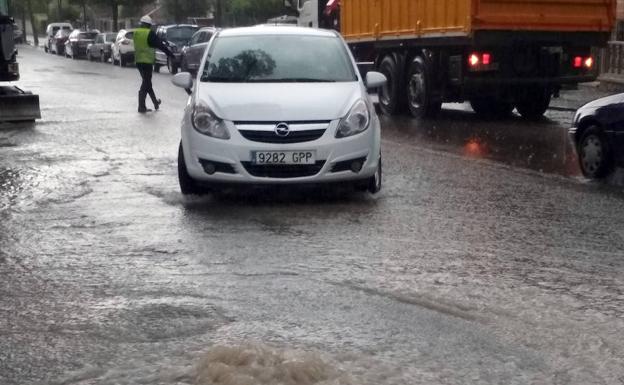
x=595, y=155
x=490, y=107
x=534, y=102
x=390, y=94
x=188, y=185
x=419, y=96
x=122, y=60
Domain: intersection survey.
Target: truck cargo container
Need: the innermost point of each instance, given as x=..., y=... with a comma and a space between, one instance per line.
x=497, y=54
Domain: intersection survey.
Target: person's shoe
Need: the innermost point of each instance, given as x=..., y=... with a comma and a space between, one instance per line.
x=144, y=110
x=157, y=104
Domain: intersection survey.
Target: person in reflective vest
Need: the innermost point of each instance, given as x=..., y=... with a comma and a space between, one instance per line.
x=145, y=44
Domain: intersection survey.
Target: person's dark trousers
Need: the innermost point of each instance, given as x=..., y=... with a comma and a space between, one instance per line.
x=146, y=86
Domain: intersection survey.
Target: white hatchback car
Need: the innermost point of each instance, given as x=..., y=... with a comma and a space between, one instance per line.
x=279, y=105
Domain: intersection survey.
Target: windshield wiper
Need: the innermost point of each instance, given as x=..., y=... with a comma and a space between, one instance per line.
x=216, y=79
x=292, y=80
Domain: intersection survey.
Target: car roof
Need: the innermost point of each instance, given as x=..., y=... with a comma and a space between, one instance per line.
x=179, y=26
x=269, y=29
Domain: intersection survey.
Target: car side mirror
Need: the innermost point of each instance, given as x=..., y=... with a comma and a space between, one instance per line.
x=183, y=80
x=375, y=80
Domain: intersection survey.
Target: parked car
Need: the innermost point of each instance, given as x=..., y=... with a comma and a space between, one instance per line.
x=76, y=45
x=320, y=125
x=193, y=53
x=101, y=48
x=123, y=48
x=18, y=35
x=51, y=31
x=57, y=43
x=176, y=36
x=598, y=133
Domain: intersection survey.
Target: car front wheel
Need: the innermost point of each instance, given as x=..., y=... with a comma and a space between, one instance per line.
x=188, y=186
x=595, y=154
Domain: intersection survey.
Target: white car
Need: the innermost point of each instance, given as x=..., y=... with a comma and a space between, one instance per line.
x=122, y=50
x=279, y=105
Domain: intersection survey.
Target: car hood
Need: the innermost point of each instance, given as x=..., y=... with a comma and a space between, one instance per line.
x=613, y=99
x=280, y=101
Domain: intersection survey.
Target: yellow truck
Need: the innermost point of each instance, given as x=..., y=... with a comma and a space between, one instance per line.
x=497, y=54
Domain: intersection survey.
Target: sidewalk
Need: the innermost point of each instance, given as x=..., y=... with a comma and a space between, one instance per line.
x=571, y=100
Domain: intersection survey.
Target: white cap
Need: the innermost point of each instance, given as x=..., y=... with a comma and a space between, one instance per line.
x=147, y=20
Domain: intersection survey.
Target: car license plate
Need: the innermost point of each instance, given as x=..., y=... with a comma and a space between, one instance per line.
x=283, y=157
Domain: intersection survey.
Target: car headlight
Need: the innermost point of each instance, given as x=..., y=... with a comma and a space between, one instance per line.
x=207, y=123
x=356, y=121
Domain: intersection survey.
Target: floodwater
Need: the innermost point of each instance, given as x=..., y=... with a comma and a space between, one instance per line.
x=486, y=259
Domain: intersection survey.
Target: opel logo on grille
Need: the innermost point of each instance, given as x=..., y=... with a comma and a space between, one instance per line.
x=282, y=129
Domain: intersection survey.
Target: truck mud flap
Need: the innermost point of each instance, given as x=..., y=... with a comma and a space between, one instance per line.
x=17, y=105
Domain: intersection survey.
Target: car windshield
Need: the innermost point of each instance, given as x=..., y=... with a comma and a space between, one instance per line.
x=278, y=58
x=87, y=35
x=180, y=34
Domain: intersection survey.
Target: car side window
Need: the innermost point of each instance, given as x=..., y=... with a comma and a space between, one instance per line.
x=196, y=38
x=207, y=37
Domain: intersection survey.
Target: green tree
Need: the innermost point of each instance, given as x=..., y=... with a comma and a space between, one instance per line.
x=113, y=6
x=182, y=9
x=247, y=12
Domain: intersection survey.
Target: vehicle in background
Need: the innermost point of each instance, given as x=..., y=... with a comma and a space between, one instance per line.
x=51, y=31
x=319, y=127
x=101, y=48
x=284, y=19
x=123, y=48
x=57, y=43
x=77, y=43
x=16, y=105
x=193, y=53
x=18, y=35
x=598, y=134
x=497, y=54
x=176, y=36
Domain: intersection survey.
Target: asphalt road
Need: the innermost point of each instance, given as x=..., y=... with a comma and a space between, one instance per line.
x=486, y=259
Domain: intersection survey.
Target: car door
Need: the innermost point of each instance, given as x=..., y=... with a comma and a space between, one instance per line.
x=97, y=46
x=198, y=50
x=190, y=51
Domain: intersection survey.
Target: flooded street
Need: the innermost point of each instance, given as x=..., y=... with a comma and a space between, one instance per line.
x=485, y=259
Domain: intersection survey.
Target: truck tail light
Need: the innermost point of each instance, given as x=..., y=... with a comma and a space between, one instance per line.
x=473, y=60
x=578, y=62
x=480, y=61
x=583, y=62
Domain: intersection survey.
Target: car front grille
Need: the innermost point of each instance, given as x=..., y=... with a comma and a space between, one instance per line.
x=272, y=137
x=283, y=171
x=300, y=132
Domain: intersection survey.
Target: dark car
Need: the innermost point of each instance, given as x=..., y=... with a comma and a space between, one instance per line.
x=101, y=48
x=76, y=45
x=193, y=53
x=176, y=36
x=598, y=133
x=57, y=43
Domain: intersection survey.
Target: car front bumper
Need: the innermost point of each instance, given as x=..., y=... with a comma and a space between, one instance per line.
x=236, y=154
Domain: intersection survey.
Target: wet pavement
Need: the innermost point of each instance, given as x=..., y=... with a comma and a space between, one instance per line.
x=486, y=259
